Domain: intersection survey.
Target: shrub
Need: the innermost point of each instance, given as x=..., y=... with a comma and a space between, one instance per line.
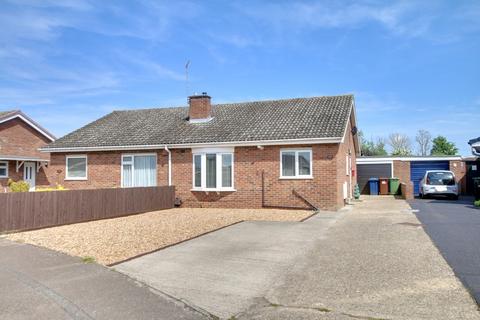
x=19, y=186
x=58, y=187
x=477, y=203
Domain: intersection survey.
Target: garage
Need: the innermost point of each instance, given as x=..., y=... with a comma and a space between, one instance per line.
x=413, y=168
x=372, y=169
x=473, y=171
x=418, y=169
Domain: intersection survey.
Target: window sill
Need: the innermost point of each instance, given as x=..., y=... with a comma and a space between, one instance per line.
x=213, y=190
x=297, y=178
x=75, y=179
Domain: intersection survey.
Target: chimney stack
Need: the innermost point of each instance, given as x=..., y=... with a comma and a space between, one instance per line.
x=200, y=107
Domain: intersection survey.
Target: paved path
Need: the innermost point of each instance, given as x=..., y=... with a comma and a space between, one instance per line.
x=225, y=272
x=37, y=283
x=454, y=226
x=372, y=261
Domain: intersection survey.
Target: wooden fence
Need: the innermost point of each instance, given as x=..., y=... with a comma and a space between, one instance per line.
x=31, y=210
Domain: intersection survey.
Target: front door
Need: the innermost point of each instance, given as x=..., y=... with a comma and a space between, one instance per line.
x=29, y=174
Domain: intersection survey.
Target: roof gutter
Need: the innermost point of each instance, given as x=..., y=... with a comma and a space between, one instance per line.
x=371, y=160
x=194, y=145
x=169, y=166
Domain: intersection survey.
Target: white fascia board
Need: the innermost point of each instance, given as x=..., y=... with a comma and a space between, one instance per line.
x=213, y=150
x=19, y=158
x=374, y=161
x=384, y=160
x=352, y=114
x=43, y=132
x=200, y=145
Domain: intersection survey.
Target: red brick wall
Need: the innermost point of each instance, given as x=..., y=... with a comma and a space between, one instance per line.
x=200, y=107
x=346, y=149
x=401, y=170
x=460, y=170
x=407, y=190
x=104, y=169
x=249, y=163
x=17, y=138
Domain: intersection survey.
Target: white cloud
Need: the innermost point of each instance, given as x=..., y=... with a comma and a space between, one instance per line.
x=301, y=15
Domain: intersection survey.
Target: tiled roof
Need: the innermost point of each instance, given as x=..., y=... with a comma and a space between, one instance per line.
x=4, y=114
x=302, y=118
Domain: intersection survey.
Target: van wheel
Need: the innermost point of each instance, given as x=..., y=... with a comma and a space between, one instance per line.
x=455, y=197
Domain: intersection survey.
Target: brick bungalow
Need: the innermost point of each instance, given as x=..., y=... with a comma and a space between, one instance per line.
x=20, y=159
x=281, y=153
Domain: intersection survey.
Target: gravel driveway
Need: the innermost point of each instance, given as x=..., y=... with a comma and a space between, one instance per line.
x=113, y=240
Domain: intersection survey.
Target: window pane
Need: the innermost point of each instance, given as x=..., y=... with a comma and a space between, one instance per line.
x=211, y=170
x=440, y=179
x=288, y=164
x=304, y=163
x=144, y=171
x=127, y=175
x=127, y=159
x=227, y=170
x=3, y=169
x=77, y=167
x=198, y=170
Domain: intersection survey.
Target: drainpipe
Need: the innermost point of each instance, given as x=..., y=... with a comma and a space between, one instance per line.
x=169, y=166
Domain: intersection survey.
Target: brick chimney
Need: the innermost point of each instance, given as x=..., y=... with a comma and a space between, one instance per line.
x=200, y=107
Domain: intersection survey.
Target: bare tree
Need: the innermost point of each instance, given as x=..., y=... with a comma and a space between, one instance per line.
x=424, y=140
x=400, y=143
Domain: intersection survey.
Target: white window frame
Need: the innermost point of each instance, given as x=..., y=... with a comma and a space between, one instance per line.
x=6, y=167
x=297, y=169
x=77, y=156
x=219, y=152
x=133, y=155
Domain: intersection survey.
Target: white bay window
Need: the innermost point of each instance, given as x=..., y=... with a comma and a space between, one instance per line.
x=296, y=163
x=139, y=170
x=213, y=169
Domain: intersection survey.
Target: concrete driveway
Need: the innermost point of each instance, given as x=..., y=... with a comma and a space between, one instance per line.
x=226, y=271
x=454, y=227
x=37, y=283
x=371, y=261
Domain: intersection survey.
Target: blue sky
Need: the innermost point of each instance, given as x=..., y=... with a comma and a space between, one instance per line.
x=411, y=64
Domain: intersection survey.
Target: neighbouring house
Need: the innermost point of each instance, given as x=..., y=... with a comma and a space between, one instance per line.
x=20, y=159
x=475, y=144
x=408, y=168
x=280, y=153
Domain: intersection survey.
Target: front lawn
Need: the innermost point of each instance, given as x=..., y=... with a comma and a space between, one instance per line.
x=113, y=240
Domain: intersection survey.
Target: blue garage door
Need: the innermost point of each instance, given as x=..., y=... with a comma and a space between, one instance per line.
x=418, y=169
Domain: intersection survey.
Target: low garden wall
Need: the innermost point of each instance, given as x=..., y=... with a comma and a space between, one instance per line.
x=407, y=190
